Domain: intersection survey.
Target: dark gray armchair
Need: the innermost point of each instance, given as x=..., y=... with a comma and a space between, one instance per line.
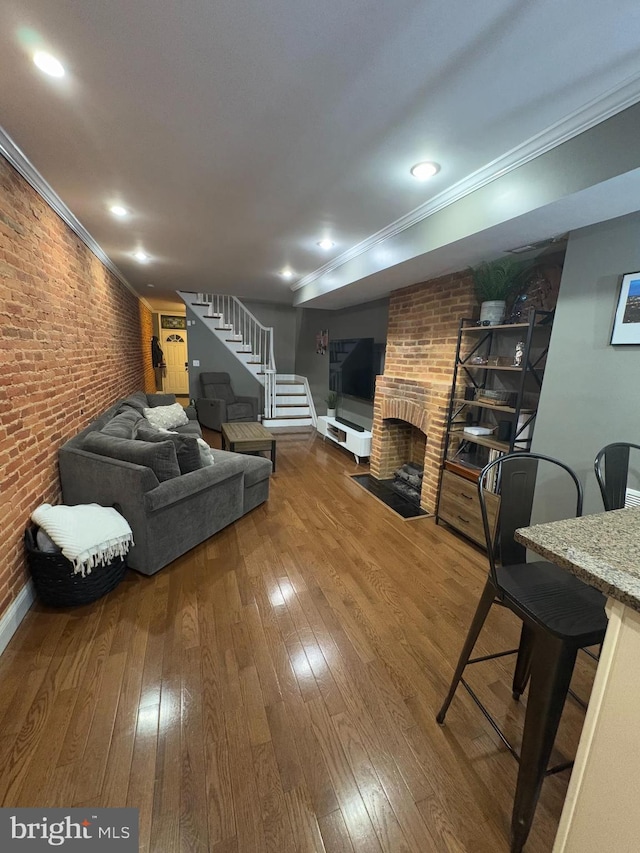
x=218, y=403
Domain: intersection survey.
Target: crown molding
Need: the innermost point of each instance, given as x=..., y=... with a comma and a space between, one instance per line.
x=21, y=163
x=616, y=99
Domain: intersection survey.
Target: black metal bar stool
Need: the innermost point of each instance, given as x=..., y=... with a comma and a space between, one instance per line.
x=559, y=614
x=613, y=466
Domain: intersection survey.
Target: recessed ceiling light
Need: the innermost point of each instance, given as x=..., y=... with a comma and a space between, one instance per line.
x=118, y=210
x=424, y=171
x=287, y=273
x=49, y=64
x=151, y=285
x=326, y=244
x=141, y=256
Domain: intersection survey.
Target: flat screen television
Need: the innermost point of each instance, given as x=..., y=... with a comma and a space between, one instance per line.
x=354, y=364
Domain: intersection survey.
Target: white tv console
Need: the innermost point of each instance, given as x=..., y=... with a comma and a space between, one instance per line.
x=356, y=442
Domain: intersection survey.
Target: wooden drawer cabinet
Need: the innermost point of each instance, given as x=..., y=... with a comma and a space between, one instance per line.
x=459, y=506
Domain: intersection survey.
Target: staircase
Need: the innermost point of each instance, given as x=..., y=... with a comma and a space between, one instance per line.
x=287, y=399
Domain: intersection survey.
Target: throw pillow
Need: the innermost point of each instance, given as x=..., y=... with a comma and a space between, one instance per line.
x=187, y=449
x=166, y=417
x=123, y=425
x=160, y=457
x=206, y=456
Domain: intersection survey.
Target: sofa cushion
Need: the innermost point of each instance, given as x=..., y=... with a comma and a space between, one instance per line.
x=135, y=401
x=187, y=449
x=160, y=457
x=167, y=417
x=256, y=468
x=123, y=425
x=155, y=400
x=192, y=428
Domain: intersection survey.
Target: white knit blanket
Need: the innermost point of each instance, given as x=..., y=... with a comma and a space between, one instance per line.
x=89, y=535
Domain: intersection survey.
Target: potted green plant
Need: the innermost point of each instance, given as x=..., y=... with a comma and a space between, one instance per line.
x=332, y=401
x=494, y=282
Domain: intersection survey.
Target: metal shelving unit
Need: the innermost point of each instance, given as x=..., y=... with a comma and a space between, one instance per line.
x=485, y=357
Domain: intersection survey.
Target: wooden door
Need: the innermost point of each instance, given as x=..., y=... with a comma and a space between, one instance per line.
x=174, y=347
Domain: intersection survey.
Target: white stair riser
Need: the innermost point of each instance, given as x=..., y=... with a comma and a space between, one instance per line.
x=289, y=389
x=302, y=411
x=291, y=399
x=286, y=422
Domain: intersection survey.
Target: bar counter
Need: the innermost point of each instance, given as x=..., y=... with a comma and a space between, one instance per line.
x=601, y=808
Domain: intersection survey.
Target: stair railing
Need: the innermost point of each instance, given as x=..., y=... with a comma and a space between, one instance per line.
x=259, y=338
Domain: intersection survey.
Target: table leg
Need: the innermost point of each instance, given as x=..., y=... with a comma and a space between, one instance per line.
x=273, y=456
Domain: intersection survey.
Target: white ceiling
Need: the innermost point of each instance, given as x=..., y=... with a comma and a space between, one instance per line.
x=239, y=133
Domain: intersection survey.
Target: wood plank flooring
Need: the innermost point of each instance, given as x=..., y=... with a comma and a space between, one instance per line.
x=275, y=688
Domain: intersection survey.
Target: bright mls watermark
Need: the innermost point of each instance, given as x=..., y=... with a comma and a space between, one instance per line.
x=102, y=830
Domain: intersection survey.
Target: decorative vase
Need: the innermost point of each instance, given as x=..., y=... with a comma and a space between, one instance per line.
x=492, y=312
x=331, y=413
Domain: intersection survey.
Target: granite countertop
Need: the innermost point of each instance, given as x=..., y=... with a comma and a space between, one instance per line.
x=603, y=550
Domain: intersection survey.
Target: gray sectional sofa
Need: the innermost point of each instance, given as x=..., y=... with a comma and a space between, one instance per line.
x=169, y=512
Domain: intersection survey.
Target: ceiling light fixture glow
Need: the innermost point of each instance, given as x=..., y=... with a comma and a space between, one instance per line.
x=287, y=273
x=140, y=256
x=326, y=244
x=424, y=171
x=49, y=64
x=118, y=210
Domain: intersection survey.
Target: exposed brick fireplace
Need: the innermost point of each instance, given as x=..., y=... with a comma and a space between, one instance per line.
x=408, y=426
x=412, y=396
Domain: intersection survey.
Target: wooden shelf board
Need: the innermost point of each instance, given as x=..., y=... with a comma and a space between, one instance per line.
x=505, y=326
x=484, y=440
x=491, y=407
x=491, y=366
x=461, y=470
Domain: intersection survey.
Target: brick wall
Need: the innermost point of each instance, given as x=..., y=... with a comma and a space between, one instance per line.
x=73, y=339
x=415, y=387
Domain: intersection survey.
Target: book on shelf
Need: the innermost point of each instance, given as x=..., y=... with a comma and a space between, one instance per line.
x=492, y=481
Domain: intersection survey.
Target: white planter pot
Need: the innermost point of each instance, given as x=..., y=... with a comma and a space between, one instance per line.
x=492, y=313
x=331, y=413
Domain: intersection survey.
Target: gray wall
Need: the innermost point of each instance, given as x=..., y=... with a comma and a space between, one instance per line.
x=308, y=363
x=283, y=320
x=591, y=395
x=213, y=355
x=362, y=321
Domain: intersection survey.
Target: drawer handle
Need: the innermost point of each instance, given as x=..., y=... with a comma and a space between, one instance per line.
x=466, y=497
x=462, y=518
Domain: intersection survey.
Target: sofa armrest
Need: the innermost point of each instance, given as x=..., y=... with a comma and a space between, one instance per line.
x=188, y=485
x=91, y=478
x=253, y=401
x=211, y=412
x=191, y=413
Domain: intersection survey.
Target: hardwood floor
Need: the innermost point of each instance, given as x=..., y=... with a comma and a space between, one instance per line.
x=275, y=689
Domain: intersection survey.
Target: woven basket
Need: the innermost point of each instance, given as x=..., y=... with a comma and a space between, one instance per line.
x=59, y=586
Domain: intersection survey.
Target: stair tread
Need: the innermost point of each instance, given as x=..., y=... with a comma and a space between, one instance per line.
x=286, y=417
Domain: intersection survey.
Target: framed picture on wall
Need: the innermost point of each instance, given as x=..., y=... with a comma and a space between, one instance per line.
x=626, y=326
x=322, y=342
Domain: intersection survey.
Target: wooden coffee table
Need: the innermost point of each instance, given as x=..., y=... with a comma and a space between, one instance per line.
x=246, y=437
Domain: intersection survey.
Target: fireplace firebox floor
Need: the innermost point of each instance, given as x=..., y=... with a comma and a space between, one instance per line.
x=382, y=490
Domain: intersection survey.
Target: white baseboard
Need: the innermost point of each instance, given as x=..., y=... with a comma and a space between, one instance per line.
x=15, y=613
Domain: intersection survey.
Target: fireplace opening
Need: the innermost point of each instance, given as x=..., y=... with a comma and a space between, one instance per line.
x=407, y=481
x=385, y=492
